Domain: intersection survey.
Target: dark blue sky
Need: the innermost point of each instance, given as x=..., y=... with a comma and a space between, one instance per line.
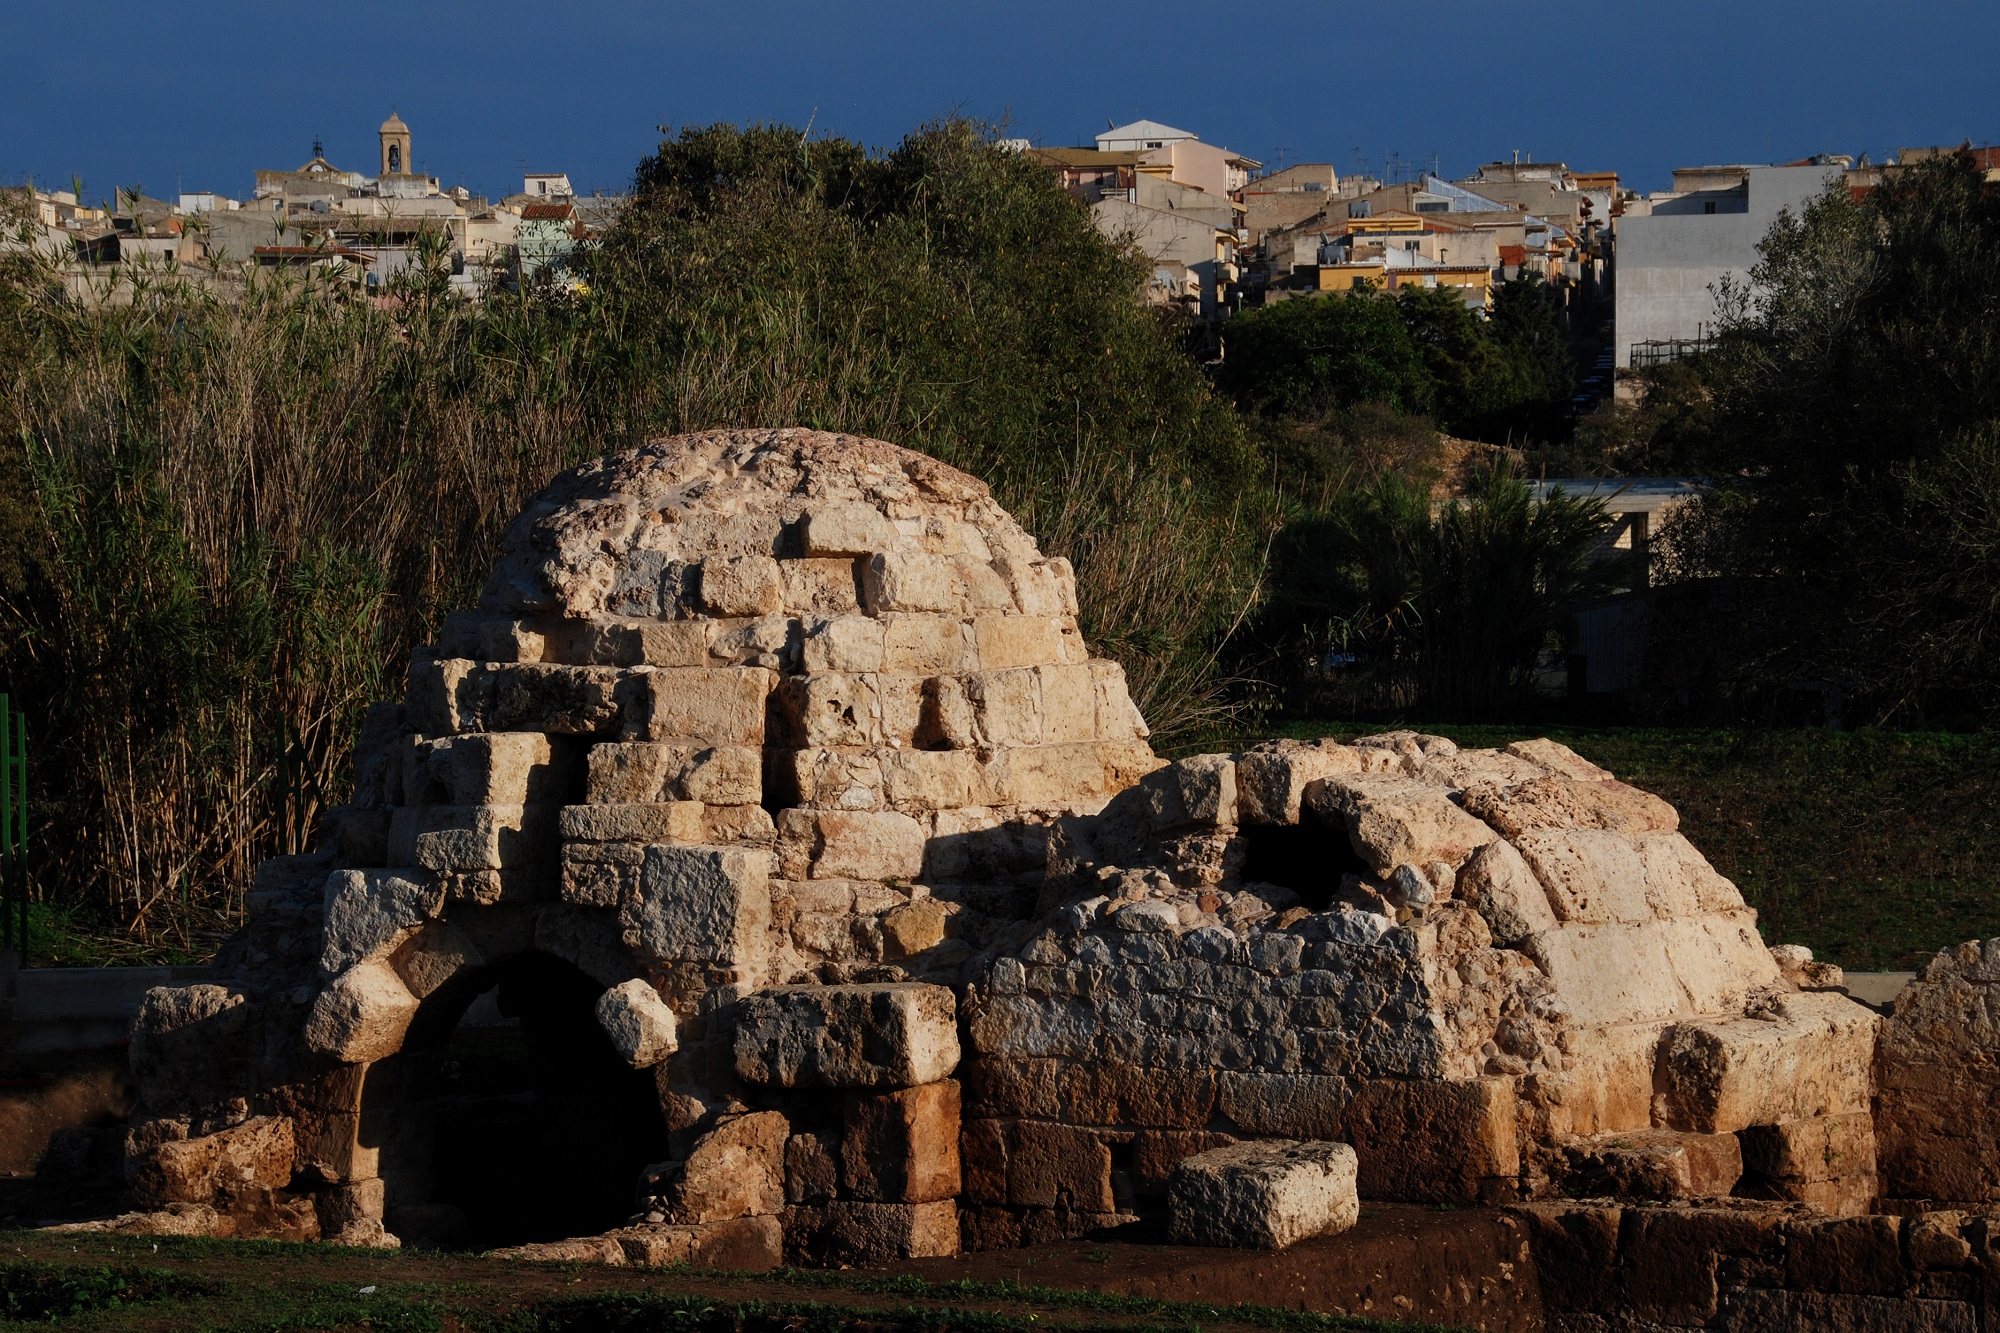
x=198, y=96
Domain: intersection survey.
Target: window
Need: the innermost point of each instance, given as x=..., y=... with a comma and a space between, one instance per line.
x=542, y=186
x=1708, y=207
x=396, y=162
x=1357, y=283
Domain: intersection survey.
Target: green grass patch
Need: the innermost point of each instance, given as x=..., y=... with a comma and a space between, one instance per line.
x=33, y=1292
x=1874, y=849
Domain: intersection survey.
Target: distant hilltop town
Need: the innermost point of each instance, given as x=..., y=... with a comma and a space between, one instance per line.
x=1220, y=232
x=364, y=228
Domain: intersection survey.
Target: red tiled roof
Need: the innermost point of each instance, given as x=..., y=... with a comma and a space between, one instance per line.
x=1513, y=254
x=547, y=212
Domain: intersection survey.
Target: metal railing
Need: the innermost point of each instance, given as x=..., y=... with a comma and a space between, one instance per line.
x=13, y=829
x=1660, y=351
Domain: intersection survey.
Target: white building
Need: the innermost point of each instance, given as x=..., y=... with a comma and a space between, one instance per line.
x=1139, y=137
x=547, y=185
x=1672, y=260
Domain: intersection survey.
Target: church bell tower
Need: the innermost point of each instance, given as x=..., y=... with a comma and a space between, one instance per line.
x=395, y=146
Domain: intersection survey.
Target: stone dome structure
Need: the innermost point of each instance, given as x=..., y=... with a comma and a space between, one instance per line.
x=772, y=829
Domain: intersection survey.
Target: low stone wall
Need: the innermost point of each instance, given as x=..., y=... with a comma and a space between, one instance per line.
x=1610, y=1269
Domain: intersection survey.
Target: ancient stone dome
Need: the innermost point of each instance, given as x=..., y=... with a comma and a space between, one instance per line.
x=841, y=911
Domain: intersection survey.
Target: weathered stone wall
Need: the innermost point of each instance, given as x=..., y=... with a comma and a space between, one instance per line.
x=1939, y=1070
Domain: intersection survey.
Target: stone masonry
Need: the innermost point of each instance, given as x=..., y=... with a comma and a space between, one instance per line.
x=784, y=751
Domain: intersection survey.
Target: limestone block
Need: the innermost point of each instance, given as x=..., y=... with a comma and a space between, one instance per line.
x=588, y=938
x=812, y=1166
x=653, y=821
x=1068, y=698
x=911, y=581
x=722, y=824
x=667, y=643
x=1592, y=876
x=867, y=844
x=1264, y=1196
x=900, y=698
x=1285, y=1105
x=1559, y=758
x=842, y=643
x=923, y=780
x=946, y=717
x=713, y=705
x=887, y=1035
x=720, y=775
x=629, y=772
x=1607, y=1080
x=343, y=1206
x=489, y=768
x=369, y=912
x=1719, y=960
x=741, y=585
x=914, y=927
x=1198, y=790
x=702, y=905
x=735, y=1170
x=1611, y=973
x=482, y=837
x=855, y=1232
x=1810, y=1055
x=641, y=1027
x=846, y=530
x=821, y=587
x=1271, y=780
x=1007, y=707
x=1497, y=882
x=1058, y=1166
x=1658, y=1164
x=830, y=709
x=433, y=956
x=445, y=695
x=827, y=778
x=1432, y=1140
x=1819, y=1148
x=601, y=874
x=219, y=1168
x=1156, y=1152
x=739, y=1245
x=1391, y=820
x=361, y=1015
x=1679, y=879
x=902, y=1146
x=604, y=1249
x=1061, y=776
x=762, y=641
x=927, y=644
x=572, y=700
x=1118, y=718
x=1040, y=587
x=1557, y=802
x=1005, y=640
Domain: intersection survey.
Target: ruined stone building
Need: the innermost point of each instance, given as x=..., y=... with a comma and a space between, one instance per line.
x=767, y=868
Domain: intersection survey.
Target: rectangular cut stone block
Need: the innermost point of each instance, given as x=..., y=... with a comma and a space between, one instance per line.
x=1007, y=707
x=1677, y=875
x=902, y=1147
x=1432, y=1141
x=1592, y=876
x=1069, y=703
x=1827, y=1161
x=899, y=697
x=446, y=695
x=911, y=581
x=820, y=586
x=635, y=772
x=1654, y=1164
x=1392, y=820
x=1058, y=1166
x=1264, y=1196
x=660, y=643
x=845, y=529
x=1196, y=790
x=926, y=644
x=740, y=585
x=702, y=905
x=716, y=705
x=921, y=780
x=1719, y=960
x=1812, y=1058
x=1156, y=1152
x=1611, y=973
x=1005, y=641
x=1505, y=892
x=1286, y=1105
x=1118, y=718
x=856, y=1232
x=889, y=1035
x=361, y=1015
x=735, y=1170
x=1607, y=1081
x=217, y=1168
x=489, y=768
x=484, y=837
x=740, y=1245
x=861, y=844
x=830, y=709
x=842, y=643
x=656, y=821
x=571, y=700
x=1271, y=784
x=1062, y=776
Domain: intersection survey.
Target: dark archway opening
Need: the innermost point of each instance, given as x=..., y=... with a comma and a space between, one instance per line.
x=526, y=1124
x=1309, y=858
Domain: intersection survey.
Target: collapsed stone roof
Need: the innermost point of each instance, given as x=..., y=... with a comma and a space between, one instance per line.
x=788, y=748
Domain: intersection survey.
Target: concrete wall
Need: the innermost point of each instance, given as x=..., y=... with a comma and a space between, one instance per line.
x=1161, y=235
x=1669, y=264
